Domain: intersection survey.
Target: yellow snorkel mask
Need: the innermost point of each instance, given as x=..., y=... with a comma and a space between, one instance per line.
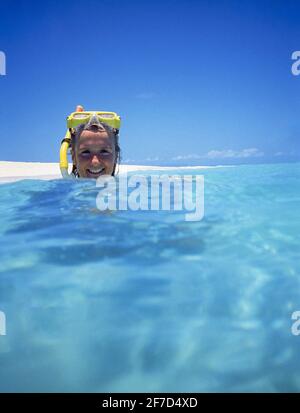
x=78, y=118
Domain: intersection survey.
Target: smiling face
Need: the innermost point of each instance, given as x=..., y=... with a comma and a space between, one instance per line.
x=95, y=154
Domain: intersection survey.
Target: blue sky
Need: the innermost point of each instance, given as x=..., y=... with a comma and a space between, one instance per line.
x=195, y=82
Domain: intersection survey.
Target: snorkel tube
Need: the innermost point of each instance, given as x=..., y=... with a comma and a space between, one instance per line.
x=63, y=156
x=82, y=117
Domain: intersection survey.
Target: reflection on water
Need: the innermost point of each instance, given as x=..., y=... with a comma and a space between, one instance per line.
x=144, y=301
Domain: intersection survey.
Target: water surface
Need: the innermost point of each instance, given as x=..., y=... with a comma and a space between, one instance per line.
x=144, y=301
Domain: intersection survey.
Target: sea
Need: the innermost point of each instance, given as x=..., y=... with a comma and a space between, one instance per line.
x=146, y=301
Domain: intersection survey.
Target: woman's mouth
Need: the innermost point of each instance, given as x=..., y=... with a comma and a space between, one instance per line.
x=95, y=172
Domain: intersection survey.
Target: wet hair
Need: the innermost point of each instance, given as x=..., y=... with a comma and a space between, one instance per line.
x=76, y=133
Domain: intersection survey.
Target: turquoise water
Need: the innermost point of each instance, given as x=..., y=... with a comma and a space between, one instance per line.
x=144, y=301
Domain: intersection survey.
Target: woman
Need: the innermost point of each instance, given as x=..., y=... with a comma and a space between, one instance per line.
x=95, y=149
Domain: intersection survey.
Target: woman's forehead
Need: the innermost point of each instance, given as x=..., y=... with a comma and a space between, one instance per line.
x=95, y=138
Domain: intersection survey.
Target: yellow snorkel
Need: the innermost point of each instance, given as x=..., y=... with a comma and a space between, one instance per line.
x=63, y=155
x=77, y=118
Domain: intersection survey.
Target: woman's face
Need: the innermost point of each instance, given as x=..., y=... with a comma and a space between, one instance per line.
x=95, y=154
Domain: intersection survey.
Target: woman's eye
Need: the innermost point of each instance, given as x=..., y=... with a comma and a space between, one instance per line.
x=105, y=152
x=85, y=153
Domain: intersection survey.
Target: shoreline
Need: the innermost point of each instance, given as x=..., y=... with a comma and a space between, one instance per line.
x=12, y=171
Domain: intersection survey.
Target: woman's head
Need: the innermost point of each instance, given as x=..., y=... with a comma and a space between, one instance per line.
x=95, y=150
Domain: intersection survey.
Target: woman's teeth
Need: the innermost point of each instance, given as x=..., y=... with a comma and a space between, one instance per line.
x=95, y=171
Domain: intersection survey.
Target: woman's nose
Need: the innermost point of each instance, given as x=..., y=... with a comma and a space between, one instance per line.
x=95, y=160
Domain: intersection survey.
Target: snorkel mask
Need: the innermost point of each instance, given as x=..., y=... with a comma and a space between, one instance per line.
x=89, y=118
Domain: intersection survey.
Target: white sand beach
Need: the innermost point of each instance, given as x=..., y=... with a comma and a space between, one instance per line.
x=14, y=171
